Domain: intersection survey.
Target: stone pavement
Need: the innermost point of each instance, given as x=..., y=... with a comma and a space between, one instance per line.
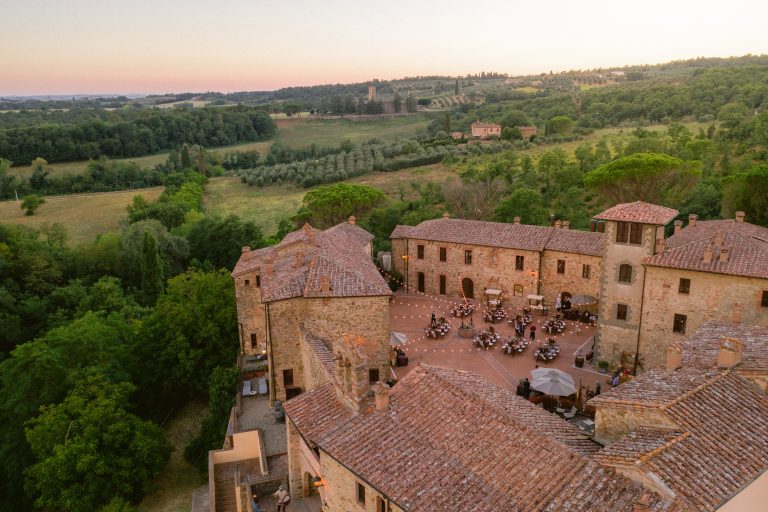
x=410, y=314
x=256, y=412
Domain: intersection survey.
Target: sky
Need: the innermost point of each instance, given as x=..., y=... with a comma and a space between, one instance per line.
x=163, y=46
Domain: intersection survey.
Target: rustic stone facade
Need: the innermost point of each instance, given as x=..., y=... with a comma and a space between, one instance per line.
x=617, y=336
x=710, y=297
x=580, y=276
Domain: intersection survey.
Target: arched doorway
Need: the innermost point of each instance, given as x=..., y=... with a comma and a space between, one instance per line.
x=468, y=287
x=310, y=489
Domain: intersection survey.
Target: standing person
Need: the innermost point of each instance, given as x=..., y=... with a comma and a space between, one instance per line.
x=558, y=303
x=283, y=498
x=533, y=332
x=526, y=388
x=433, y=322
x=597, y=388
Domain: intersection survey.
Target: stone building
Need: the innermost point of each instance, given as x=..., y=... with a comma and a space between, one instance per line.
x=631, y=233
x=526, y=132
x=485, y=130
x=313, y=287
x=448, y=440
x=696, y=432
x=460, y=258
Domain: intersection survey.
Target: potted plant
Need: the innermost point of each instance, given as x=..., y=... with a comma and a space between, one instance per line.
x=603, y=365
x=261, y=370
x=579, y=360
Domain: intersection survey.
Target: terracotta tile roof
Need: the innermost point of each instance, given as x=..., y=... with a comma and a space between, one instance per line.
x=442, y=447
x=639, y=211
x=306, y=259
x=720, y=441
x=747, y=247
x=656, y=388
x=323, y=354
x=317, y=411
x=478, y=124
x=508, y=236
x=701, y=348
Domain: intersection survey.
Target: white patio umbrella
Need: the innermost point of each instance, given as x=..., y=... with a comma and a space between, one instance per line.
x=397, y=338
x=555, y=385
x=540, y=373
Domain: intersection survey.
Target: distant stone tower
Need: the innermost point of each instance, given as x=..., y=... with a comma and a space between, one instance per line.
x=371, y=92
x=633, y=231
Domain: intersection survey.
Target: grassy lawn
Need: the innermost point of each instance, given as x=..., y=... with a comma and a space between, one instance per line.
x=266, y=206
x=172, y=490
x=294, y=133
x=84, y=215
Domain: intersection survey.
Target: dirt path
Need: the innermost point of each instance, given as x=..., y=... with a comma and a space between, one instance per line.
x=173, y=488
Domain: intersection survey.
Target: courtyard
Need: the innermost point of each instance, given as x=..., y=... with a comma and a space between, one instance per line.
x=411, y=313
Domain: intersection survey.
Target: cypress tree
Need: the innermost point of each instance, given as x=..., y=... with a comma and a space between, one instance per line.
x=151, y=269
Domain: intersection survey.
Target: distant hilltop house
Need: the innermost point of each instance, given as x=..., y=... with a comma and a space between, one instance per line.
x=457, y=135
x=527, y=132
x=485, y=130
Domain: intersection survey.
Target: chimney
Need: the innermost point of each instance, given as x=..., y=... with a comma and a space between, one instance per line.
x=659, y=245
x=517, y=220
x=692, y=220
x=298, y=259
x=325, y=284
x=246, y=253
x=739, y=216
x=674, y=357
x=446, y=215
x=352, y=220
x=643, y=503
x=566, y=224
x=593, y=226
x=558, y=224
x=730, y=352
x=718, y=238
x=381, y=393
x=708, y=254
x=552, y=219
x=678, y=226
x=723, y=255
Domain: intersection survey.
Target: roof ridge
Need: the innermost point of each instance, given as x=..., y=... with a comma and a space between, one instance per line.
x=656, y=451
x=691, y=392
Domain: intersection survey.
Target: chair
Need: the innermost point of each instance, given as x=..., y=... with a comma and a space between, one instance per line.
x=570, y=414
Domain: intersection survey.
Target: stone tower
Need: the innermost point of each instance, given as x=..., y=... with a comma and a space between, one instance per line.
x=371, y=93
x=633, y=232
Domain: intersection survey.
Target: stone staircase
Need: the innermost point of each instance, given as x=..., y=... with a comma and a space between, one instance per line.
x=225, y=490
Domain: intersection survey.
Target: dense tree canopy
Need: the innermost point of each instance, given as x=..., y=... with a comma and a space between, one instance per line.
x=328, y=205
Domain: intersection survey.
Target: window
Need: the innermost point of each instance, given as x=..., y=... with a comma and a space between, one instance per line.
x=585, y=270
x=381, y=505
x=518, y=290
x=764, y=300
x=519, y=262
x=561, y=266
x=622, y=232
x=629, y=232
x=247, y=282
x=253, y=340
x=443, y=254
x=420, y=277
x=468, y=257
x=679, y=323
x=288, y=377
x=685, y=286
x=420, y=252
x=373, y=375
x=442, y=285
x=360, y=493
x=258, y=281
x=625, y=273
x=621, y=311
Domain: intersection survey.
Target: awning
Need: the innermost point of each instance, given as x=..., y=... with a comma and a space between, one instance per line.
x=492, y=291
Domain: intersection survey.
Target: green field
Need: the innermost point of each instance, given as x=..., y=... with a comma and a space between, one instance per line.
x=84, y=216
x=294, y=133
x=266, y=206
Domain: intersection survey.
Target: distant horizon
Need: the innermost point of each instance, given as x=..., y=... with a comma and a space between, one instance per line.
x=139, y=94
x=146, y=47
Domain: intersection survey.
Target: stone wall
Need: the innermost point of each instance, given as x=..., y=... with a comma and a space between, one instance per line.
x=296, y=465
x=285, y=320
x=712, y=296
x=612, y=422
x=572, y=279
x=340, y=489
x=250, y=313
x=617, y=336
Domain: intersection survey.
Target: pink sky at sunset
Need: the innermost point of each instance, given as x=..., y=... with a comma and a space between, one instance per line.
x=84, y=46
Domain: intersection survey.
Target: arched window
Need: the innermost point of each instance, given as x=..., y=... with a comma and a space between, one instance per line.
x=468, y=287
x=625, y=273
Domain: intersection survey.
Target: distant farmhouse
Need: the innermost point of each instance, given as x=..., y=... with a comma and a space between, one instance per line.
x=485, y=130
x=526, y=132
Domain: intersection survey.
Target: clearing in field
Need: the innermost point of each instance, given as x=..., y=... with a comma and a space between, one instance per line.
x=295, y=133
x=266, y=206
x=84, y=215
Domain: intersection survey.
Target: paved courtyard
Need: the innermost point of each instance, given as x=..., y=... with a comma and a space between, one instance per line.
x=410, y=314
